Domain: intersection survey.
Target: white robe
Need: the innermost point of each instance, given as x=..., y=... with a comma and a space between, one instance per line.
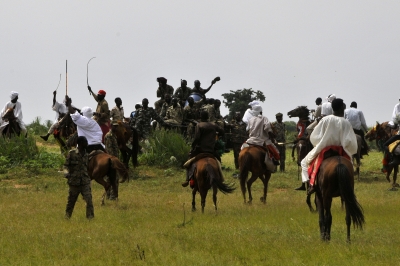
x=88, y=128
x=17, y=114
x=259, y=126
x=330, y=131
x=396, y=114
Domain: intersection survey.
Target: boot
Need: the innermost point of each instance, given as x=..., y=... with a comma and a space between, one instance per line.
x=45, y=137
x=185, y=184
x=395, y=160
x=311, y=189
x=302, y=187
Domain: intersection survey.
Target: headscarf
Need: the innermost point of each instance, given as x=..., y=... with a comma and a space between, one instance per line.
x=87, y=112
x=254, y=103
x=13, y=94
x=331, y=97
x=256, y=110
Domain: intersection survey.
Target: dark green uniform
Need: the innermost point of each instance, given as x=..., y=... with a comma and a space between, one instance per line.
x=182, y=94
x=280, y=136
x=75, y=168
x=110, y=141
x=238, y=137
x=143, y=118
x=161, y=91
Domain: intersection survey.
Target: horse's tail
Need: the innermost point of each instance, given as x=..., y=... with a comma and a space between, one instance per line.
x=347, y=194
x=135, y=147
x=120, y=167
x=217, y=179
x=244, y=162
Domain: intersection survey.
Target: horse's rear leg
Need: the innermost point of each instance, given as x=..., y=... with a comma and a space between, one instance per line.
x=106, y=186
x=203, y=195
x=321, y=214
x=215, y=190
x=328, y=219
x=249, y=183
x=265, y=181
x=194, y=199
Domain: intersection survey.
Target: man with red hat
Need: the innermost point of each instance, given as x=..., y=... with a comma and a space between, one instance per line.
x=102, y=114
x=163, y=89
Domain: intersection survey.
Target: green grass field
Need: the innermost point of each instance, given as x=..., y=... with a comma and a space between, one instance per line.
x=152, y=223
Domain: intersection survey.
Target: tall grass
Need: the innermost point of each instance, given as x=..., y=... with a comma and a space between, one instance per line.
x=165, y=148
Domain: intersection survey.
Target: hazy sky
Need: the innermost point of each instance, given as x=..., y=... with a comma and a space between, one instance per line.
x=293, y=51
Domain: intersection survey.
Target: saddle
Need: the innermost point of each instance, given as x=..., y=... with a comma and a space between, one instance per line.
x=191, y=166
x=94, y=153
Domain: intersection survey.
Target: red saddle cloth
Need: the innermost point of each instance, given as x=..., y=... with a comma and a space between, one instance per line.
x=316, y=163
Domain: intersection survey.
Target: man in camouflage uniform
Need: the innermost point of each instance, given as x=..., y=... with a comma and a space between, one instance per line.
x=238, y=137
x=165, y=105
x=279, y=129
x=75, y=169
x=217, y=113
x=102, y=114
x=143, y=118
x=174, y=114
x=200, y=90
x=183, y=92
x=110, y=141
x=163, y=89
x=117, y=113
x=209, y=108
x=190, y=115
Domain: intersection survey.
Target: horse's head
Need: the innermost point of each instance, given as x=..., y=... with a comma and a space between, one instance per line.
x=372, y=133
x=9, y=114
x=300, y=112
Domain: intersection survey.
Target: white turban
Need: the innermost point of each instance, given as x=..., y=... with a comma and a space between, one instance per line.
x=254, y=103
x=331, y=97
x=256, y=110
x=87, y=111
x=13, y=94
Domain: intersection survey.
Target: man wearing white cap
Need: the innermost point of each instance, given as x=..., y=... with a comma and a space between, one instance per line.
x=249, y=112
x=17, y=113
x=326, y=107
x=86, y=126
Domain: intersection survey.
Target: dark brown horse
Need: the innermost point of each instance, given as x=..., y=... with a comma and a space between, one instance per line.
x=381, y=133
x=13, y=127
x=102, y=165
x=126, y=134
x=357, y=156
x=251, y=159
x=66, y=129
x=208, y=176
x=336, y=179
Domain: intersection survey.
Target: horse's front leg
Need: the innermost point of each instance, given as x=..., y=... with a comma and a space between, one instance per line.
x=265, y=181
x=215, y=190
x=194, y=190
x=396, y=170
x=321, y=214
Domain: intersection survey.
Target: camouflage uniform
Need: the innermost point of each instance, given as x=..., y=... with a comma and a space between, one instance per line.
x=209, y=108
x=279, y=130
x=238, y=137
x=164, y=109
x=110, y=141
x=143, y=118
x=174, y=115
x=75, y=168
x=182, y=94
x=218, y=118
x=189, y=113
x=117, y=114
x=161, y=91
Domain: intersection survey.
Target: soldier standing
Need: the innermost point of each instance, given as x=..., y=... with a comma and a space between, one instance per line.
x=143, y=118
x=110, y=141
x=163, y=89
x=238, y=137
x=183, y=92
x=75, y=168
x=279, y=129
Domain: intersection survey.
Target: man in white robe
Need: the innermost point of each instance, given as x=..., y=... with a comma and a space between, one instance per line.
x=13, y=103
x=249, y=112
x=86, y=126
x=60, y=109
x=326, y=107
x=332, y=130
x=395, y=116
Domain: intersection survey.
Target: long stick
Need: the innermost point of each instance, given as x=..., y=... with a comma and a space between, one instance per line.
x=58, y=82
x=87, y=73
x=66, y=77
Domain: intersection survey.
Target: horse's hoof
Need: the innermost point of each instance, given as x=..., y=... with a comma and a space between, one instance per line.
x=393, y=189
x=262, y=199
x=396, y=185
x=193, y=209
x=249, y=202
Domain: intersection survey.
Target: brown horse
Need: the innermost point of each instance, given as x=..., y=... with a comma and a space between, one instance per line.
x=380, y=133
x=336, y=178
x=251, y=159
x=103, y=164
x=357, y=156
x=208, y=176
x=66, y=129
x=124, y=135
x=13, y=127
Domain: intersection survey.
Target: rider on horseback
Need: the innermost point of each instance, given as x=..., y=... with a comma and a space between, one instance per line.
x=326, y=108
x=86, y=126
x=61, y=110
x=332, y=130
x=102, y=114
x=357, y=121
x=13, y=103
x=395, y=116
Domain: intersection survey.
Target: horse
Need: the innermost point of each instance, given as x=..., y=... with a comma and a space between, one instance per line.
x=336, y=178
x=102, y=164
x=251, y=159
x=66, y=128
x=206, y=176
x=124, y=134
x=13, y=127
x=380, y=133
